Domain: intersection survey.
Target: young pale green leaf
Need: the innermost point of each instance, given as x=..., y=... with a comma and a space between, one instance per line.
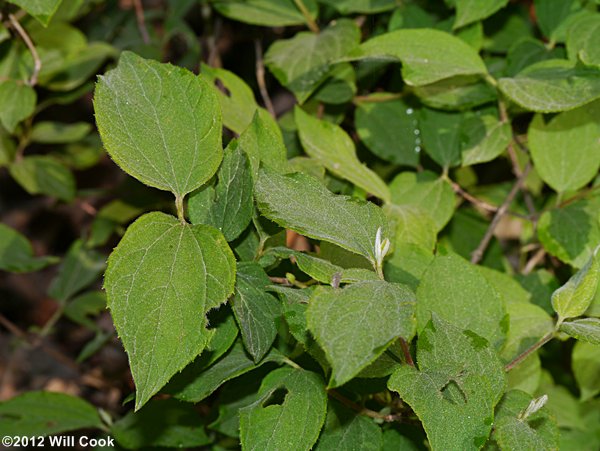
x=164, y=422
x=229, y=206
x=80, y=267
x=585, y=329
x=161, y=280
x=331, y=146
x=197, y=382
x=295, y=423
x=346, y=430
x=355, y=325
x=41, y=174
x=459, y=381
x=565, y=149
x=42, y=10
x=255, y=310
x=585, y=362
x=299, y=202
x=469, y=11
x=360, y=6
x=269, y=13
x=16, y=253
x=556, y=232
x=552, y=86
x=47, y=132
x=389, y=129
x=160, y=123
x=457, y=292
x=426, y=190
x=523, y=423
x=583, y=40
x=39, y=413
x=412, y=225
x=302, y=63
x=426, y=55
x=575, y=296
x=237, y=104
x=17, y=102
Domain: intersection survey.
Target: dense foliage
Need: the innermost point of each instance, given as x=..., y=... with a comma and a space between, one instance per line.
x=383, y=233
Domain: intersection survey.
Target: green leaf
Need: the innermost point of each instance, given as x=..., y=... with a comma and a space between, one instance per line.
x=509, y=288
x=528, y=324
x=517, y=429
x=355, y=325
x=456, y=93
x=565, y=149
x=59, y=132
x=412, y=225
x=469, y=11
x=80, y=267
x=360, y=6
x=17, y=102
x=457, y=292
x=229, y=206
x=426, y=55
x=44, y=175
x=552, y=14
x=441, y=136
x=483, y=137
x=525, y=52
x=269, y=424
x=585, y=362
x=427, y=190
x=393, y=440
x=160, y=123
x=552, y=86
x=459, y=381
x=339, y=87
x=302, y=63
x=255, y=310
x=197, y=382
x=164, y=422
x=585, y=329
x=16, y=253
x=555, y=232
x=42, y=10
x=299, y=202
x=575, y=296
x=84, y=306
x=407, y=264
x=161, y=280
x=331, y=146
x=269, y=13
x=348, y=430
x=583, y=40
x=237, y=103
x=389, y=129
x=44, y=413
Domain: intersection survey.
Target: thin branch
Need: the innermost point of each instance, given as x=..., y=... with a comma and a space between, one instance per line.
x=141, y=22
x=530, y=350
x=310, y=21
x=406, y=351
x=260, y=77
x=533, y=261
x=37, y=62
x=502, y=210
x=468, y=197
x=388, y=418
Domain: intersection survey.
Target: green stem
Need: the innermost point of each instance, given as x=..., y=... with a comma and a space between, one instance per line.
x=291, y=363
x=180, y=209
x=306, y=13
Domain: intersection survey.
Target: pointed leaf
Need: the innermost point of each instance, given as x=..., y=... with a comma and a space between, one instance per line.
x=17, y=102
x=161, y=280
x=459, y=381
x=270, y=13
x=41, y=174
x=160, y=123
x=585, y=362
x=583, y=40
x=42, y=10
x=16, y=253
x=469, y=11
x=585, y=329
x=355, y=325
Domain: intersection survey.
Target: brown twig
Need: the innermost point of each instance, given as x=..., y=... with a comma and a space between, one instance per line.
x=534, y=260
x=514, y=362
x=260, y=77
x=502, y=210
x=388, y=418
x=470, y=198
x=310, y=21
x=406, y=351
x=141, y=21
x=37, y=62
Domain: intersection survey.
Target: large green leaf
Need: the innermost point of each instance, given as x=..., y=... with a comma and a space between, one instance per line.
x=160, y=123
x=255, y=310
x=565, y=149
x=161, y=280
x=585, y=362
x=426, y=55
x=469, y=11
x=301, y=203
x=457, y=292
x=41, y=174
x=552, y=86
x=583, y=40
x=270, y=13
x=42, y=10
x=355, y=325
x=360, y=6
x=16, y=253
x=229, y=206
x=412, y=225
x=389, y=129
x=17, y=102
x=269, y=424
x=459, y=381
x=39, y=413
x=331, y=146
x=553, y=15
x=302, y=63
